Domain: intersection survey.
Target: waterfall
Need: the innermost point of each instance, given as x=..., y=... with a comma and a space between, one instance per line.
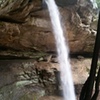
x=63, y=52
x=95, y=6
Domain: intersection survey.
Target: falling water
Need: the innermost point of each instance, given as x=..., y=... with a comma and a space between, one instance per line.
x=63, y=51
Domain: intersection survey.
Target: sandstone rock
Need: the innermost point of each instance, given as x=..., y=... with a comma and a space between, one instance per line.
x=34, y=69
x=35, y=34
x=27, y=33
x=40, y=80
x=38, y=35
x=20, y=91
x=51, y=98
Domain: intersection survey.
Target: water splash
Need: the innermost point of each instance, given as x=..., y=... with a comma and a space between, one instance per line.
x=63, y=52
x=95, y=6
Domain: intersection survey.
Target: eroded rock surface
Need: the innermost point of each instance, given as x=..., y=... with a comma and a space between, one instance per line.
x=27, y=33
x=27, y=79
x=35, y=30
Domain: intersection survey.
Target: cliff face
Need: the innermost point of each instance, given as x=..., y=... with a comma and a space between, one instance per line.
x=26, y=32
x=27, y=27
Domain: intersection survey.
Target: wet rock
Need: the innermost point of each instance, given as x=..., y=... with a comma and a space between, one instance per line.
x=93, y=25
x=20, y=91
x=37, y=79
x=51, y=98
x=64, y=3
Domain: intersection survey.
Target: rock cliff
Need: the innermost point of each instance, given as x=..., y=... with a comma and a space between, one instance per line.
x=26, y=26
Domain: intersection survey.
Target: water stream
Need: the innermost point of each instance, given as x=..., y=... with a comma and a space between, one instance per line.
x=63, y=52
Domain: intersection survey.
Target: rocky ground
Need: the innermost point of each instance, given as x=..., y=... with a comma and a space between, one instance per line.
x=38, y=79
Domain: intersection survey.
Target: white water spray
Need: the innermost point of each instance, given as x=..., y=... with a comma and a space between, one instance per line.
x=63, y=52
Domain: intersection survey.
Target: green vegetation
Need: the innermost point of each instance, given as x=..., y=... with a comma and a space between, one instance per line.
x=98, y=3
